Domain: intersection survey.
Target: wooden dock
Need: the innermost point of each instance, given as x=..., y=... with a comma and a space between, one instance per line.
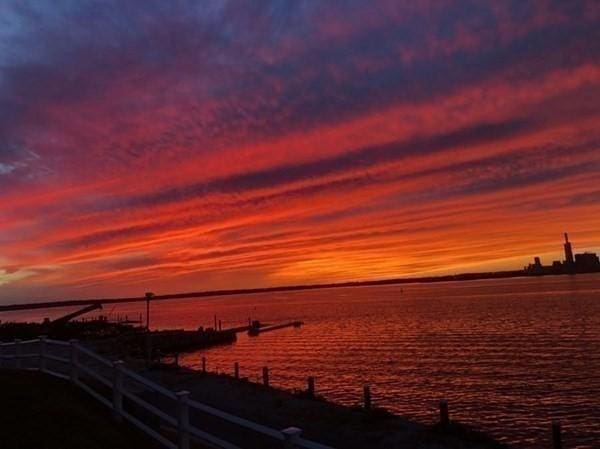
x=256, y=330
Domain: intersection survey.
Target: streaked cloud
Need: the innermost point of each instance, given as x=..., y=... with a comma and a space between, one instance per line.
x=217, y=144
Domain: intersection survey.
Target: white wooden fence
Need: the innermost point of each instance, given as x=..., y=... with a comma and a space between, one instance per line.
x=92, y=373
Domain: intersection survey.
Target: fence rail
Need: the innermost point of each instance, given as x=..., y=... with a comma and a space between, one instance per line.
x=112, y=389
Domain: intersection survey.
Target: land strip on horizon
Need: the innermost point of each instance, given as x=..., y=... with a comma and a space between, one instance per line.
x=211, y=293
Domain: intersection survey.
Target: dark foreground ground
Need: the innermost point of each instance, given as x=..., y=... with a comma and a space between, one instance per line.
x=41, y=412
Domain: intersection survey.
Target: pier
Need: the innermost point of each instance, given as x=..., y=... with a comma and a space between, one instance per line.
x=174, y=341
x=128, y=337
x=256, y=330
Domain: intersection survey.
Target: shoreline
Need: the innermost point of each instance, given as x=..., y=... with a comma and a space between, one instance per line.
x=290, y=288
x=340, y=426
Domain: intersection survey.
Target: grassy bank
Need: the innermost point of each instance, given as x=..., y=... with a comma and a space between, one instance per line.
x=42, y=412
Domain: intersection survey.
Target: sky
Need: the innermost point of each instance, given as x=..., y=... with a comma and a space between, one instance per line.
x=193, y=145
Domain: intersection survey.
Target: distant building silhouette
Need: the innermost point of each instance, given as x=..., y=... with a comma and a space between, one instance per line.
x=587, y=261
x=536, y=267
x=580, y=263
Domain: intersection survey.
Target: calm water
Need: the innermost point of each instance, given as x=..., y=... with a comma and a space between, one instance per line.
x=509, y=355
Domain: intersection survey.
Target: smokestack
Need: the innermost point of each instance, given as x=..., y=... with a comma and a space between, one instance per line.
x=568, y=251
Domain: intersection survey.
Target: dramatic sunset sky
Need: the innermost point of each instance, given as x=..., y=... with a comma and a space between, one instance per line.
x=192, y=145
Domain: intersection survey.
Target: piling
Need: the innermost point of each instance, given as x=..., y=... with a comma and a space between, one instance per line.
x=265, y=376
x=236, y=370
x=220, y=328
x=204, y=364
x=444, y=415
x=556, y=435
x=367, y=397
x=177, y=359
x=311, y=387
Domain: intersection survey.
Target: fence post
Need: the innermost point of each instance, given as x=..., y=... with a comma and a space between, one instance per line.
x=556, y=435
x=311, y=386
x=204, y=364
x=118, y=389
x=444, y=414
x=236, y=370
x=42, y=353
x=291, y=435
x=367, y=397
x=183, y=420
x=18, y=353
x=266, y=376
x=74, y=374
